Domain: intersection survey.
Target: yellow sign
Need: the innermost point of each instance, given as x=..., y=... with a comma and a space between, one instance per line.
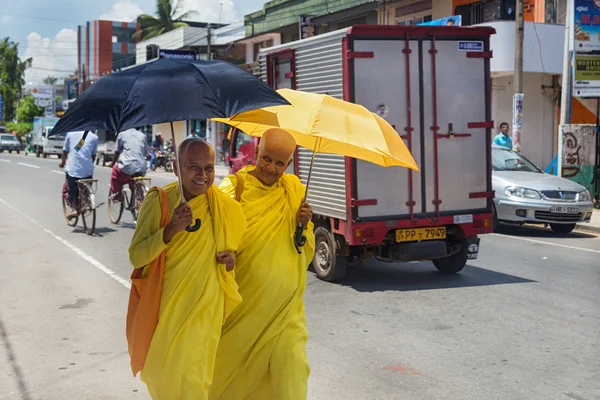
x=417, y=234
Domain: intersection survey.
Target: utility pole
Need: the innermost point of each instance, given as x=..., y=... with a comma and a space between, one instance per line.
x=565, y=95
x=518, y=79
x=208, y=42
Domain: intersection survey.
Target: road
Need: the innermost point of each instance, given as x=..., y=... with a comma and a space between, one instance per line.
x=522, y=322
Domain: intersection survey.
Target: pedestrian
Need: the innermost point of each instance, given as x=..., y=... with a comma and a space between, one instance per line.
x=131, y=157
x=199, y=289
x=157, y=144
x=225, y=146
x=503, y=138
x=262, y=352
x=77, y=164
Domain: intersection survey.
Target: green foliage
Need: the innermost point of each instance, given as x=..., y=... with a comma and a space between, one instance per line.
x=167, y=20
x=12, y=70
x=27, y=110
x=22, y=128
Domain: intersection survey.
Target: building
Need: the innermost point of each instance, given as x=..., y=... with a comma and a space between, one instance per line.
x=103, y=47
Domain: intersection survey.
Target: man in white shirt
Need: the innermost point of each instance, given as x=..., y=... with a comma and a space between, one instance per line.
x=78, y=164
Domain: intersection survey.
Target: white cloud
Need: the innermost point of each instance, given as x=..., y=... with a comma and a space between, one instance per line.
x=56, y=57
x=5, y=19
x=124, y=11
x=209, y=10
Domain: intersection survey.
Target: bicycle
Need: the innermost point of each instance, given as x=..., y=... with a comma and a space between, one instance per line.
x=134, y=201
x=85, y=203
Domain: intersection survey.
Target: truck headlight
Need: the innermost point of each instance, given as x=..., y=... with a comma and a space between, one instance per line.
x=517, y=191
x=584, y=195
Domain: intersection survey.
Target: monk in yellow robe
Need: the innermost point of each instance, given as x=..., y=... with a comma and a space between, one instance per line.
x=199, y=288
x=262, y=352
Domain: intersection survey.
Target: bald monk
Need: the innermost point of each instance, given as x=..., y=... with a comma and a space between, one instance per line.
x=262, y=352
x=199, y=289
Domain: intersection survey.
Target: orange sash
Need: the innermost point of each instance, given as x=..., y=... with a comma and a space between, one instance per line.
x=144, y=299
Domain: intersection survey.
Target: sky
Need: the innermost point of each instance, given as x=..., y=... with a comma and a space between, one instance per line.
x=46, y=30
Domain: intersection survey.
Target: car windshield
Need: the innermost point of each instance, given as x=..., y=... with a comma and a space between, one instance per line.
x=58, y=136
x=8, y=137
x=507, y=160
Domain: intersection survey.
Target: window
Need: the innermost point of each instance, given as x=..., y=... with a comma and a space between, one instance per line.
x=471, y=13
x=114, y=39
x=415, y=20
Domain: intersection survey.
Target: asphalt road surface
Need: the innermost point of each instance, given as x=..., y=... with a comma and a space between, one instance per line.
x=522, y=322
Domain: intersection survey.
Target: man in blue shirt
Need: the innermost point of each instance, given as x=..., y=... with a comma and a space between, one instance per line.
x=78, y=164
x=503, y=138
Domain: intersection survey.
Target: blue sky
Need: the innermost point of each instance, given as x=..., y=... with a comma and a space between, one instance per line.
x=46, y=29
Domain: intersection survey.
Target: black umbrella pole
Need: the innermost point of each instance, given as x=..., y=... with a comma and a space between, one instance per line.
x=299, y=238
x=196, y=226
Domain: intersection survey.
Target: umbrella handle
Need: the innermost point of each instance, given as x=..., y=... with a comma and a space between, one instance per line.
x=195, y=227
x=299, y=238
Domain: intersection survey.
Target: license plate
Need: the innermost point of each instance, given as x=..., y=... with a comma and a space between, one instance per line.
x=564, y=210
x=412, y=235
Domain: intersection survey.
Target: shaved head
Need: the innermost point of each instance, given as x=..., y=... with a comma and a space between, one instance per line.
x=196, y=166
x=273, y=155
x=194, y=144
x=277, y=140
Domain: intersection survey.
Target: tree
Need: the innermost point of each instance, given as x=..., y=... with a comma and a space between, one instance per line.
x=12, y=70
x=28, y=110
x=152, y=26
x=49, y=80
x=21, y=128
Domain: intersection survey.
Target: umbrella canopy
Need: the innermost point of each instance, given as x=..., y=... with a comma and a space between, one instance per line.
x=166, y=91
x=325, y=124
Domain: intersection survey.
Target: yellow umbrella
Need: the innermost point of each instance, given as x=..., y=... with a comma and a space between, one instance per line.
x=325, y=124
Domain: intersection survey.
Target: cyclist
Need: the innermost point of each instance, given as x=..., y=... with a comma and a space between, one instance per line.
x=131, y=156
x=77, y=164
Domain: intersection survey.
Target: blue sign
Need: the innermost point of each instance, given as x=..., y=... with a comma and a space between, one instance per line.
x=1, y=108
x=586, y=26
x=177, y=54
x=455, y=20
x=469, y=45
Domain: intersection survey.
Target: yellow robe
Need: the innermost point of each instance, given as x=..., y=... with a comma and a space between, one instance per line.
x=262, y=352
x=197, y=293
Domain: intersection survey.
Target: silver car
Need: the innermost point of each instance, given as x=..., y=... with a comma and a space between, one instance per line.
x=524, y=194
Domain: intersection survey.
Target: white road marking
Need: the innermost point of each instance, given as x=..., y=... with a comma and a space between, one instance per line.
x=28, y=165
x=3, y=160
x=548, y=243
x=75, y=249
x=58, y=172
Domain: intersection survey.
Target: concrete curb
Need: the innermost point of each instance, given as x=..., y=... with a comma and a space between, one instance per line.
x=589, y=228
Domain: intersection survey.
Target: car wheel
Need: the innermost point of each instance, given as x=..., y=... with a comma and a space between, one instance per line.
x=563, y=229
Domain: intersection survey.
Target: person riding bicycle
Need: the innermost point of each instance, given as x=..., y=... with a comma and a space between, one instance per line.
x=131, y=156
x=157, y=144
x=77, y=164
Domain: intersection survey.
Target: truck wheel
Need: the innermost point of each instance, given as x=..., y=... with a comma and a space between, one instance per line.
x=38, y=153
x=103, y=161
x=563, y=229
x=453, y=263
x=328, y=266
x=45, y=155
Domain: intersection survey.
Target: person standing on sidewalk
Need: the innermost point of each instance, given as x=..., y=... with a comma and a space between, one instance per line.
x=503, y=138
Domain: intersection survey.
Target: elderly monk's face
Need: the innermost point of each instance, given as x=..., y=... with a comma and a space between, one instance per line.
x=197, y=169
x=271, y=163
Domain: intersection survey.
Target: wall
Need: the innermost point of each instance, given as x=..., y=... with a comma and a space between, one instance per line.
x=539, y=129
x=579, y=154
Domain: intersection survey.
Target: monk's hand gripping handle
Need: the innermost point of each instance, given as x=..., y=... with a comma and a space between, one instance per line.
x=299, y=239
x=195, y=227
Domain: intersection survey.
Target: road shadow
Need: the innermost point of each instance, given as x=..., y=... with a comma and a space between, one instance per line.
x=534, y=231
x=14, y=364
x=404, y=277
x=100, y=232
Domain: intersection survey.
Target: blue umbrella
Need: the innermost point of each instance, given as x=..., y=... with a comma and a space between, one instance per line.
x=166, y=91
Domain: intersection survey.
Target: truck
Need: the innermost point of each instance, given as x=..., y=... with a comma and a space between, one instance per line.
x=107, y=143
x=433, y=85
x=42, y=144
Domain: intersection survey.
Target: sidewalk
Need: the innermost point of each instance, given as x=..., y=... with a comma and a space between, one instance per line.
x=593, y=226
